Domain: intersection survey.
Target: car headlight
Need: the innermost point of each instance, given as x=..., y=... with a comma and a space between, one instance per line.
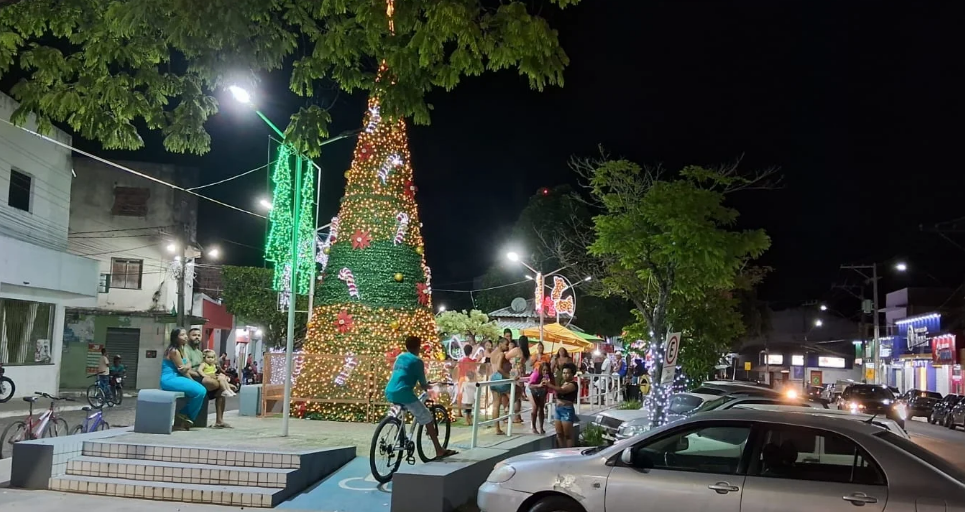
x=501, y=473
x=598, y=419
x=632, y=430
x=886, y=401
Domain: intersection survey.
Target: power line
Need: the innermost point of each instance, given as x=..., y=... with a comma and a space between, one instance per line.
x=132, y=171
x=233, y=177
x=482, y=289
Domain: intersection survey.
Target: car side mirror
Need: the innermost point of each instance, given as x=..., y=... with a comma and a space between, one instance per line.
x=636, y=460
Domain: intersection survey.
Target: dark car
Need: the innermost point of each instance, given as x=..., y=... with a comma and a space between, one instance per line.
x=919, y=403
x=941, y=413
x=871, y=399
x=814, y=394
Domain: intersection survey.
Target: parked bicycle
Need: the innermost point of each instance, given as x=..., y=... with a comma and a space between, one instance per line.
x=391, y=443
x=6, y=387
x=100, y=394
x=94, y=422
x=47, y=424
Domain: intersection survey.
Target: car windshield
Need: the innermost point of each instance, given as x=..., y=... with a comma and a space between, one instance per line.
x=710, y=405
x=682, y=404
x=929, y=394
x=871, y=392
x=926, y=456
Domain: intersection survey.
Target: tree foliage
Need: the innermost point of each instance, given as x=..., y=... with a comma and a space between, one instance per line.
x=668, y=245
x=105, y=66
x=247, y=294
x=475, y=323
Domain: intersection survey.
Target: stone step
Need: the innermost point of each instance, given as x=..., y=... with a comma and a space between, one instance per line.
x=167, y=491
x=178, y=472
x=192, y=455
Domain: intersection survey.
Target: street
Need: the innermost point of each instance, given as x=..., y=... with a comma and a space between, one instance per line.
x=948, y=444
x=118, y=416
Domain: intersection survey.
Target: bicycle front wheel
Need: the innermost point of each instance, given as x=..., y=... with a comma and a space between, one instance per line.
x=441, y=418
x=102, y=426
x=95, y=396
x=57, y=428
x=14, y=433
x=78, y=429
x=388, y=450
x=118, y=393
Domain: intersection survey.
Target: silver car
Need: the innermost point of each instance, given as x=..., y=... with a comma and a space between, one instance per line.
x=733, y=461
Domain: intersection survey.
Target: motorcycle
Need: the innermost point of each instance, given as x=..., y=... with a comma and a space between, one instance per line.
x=6, y=387
x=117, y=388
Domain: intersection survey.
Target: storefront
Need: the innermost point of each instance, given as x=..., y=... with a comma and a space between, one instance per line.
x=922, y=356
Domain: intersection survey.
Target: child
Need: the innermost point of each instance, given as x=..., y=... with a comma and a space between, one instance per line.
x=468, y=395
x=537, y=393
x=210, y=367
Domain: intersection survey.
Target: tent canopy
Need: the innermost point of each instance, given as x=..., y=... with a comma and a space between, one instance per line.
x=556, y=336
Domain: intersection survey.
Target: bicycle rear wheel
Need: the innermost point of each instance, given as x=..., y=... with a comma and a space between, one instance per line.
x=14, y=433
x=387, y=450
x=6, y=389
x=441, y=417
x=118, y=393
x=77, y=430
x=95, y=396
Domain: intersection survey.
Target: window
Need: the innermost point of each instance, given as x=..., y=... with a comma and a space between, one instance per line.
x=797, y=360
x=682, y=404
x=702, y=449
x=26, y=328
x=126, y=274
x=800, y=453
x=130, y=202
x=775, y=359
x=831, y=362
x=20, y=188
x=104, y=283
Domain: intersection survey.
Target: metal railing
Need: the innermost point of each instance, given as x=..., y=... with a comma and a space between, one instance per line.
x=604, y=389
x=475, y=409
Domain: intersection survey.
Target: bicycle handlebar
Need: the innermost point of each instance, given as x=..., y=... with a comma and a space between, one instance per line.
x=46, y=395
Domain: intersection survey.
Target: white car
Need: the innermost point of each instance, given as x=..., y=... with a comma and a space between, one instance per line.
x=881, y=421
x=679, y=405
x=733, y=461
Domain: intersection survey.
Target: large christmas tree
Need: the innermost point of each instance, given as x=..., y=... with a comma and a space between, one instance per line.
x=375, y=289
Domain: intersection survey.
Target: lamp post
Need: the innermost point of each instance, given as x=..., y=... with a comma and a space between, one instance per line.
x=900, y=267
x=514, y=257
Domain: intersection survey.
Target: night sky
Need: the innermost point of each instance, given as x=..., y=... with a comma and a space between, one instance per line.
x=858, y=103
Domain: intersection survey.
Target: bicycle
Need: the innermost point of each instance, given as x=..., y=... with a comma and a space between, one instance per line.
x=92, y=423
x=7, y=387
x=98, y=395
x=394, y=446
x=47, y=425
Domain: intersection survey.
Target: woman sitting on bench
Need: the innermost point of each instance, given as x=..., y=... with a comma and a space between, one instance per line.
x=174, y=377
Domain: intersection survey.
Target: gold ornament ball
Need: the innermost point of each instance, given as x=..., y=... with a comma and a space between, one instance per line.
x=394, y=325
x=346, y=174
x=398, y=277
x=420, y=250
x=327, y=250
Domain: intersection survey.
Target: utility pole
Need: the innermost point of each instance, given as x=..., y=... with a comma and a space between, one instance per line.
x=181, y=279
x=876, y=343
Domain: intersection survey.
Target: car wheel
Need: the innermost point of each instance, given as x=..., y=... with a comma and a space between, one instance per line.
x=931, y=419
x=556, y=504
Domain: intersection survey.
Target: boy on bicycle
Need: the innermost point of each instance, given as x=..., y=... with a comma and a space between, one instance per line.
x=408, y=371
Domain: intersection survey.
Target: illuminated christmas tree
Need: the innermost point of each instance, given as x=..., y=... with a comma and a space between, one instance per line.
x=375, y=288
x=278, y=249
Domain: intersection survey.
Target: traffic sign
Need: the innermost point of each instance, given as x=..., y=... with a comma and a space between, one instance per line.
x=671, y=350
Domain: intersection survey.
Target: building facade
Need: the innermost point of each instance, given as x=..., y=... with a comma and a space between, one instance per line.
x=38, y=277
x=137, y=229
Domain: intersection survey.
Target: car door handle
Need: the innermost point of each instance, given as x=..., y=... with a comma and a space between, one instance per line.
x=859, y=499
x=723, y=488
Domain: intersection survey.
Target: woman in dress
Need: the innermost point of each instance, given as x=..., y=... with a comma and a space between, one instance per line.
x=174, y=377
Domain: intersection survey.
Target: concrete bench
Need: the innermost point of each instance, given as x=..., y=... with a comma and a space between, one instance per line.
x=156, y=409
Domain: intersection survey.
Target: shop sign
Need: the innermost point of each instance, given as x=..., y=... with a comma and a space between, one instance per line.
x=93, y=358
x=943, y=349
x=914, y=335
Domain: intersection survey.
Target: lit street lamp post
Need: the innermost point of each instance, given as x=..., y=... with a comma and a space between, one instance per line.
x=900, y=267
x=514, y=257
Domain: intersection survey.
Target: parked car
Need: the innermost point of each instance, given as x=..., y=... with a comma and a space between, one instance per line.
x=678, y=405
x=641, y=425
x=956, y=417
x=727, y=387
x=941, y=413
x=734, y=460
x=919, y=403
x=872, y=399
x=889, y=424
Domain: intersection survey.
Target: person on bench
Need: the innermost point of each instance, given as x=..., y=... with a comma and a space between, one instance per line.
x=174, y=377
x=195, y=356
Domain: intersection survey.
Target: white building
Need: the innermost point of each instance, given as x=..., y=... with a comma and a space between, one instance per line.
x=133, y=227
x=38, y=277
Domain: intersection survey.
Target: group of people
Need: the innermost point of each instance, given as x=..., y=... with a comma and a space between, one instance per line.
x=515, y=363
x=188, y=369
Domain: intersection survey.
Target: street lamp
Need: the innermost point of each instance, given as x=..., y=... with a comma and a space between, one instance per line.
x=264, y=203
x=172, y=247
x=514, y=257
x=214, y=252
x=823, y=307
x=818, y=323
x=901, y=267
x=442, y=309
x=240, y=95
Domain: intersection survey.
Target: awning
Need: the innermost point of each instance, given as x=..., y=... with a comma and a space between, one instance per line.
x=556, y=336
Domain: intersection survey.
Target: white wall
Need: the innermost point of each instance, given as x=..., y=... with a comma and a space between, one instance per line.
x=98, y=233
x=49, y=166
x=40, y=377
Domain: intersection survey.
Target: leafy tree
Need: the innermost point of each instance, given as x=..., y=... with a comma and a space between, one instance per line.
x=667, y=245
x=475, y=323
x=105, y=66
x=248, y=294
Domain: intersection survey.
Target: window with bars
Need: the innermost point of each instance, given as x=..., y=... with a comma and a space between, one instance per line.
x=20, y=188
x=126, y=274
x=130, y=201
x=26, y=329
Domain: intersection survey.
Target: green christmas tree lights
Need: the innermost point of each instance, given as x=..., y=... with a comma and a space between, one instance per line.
x=281, y=218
